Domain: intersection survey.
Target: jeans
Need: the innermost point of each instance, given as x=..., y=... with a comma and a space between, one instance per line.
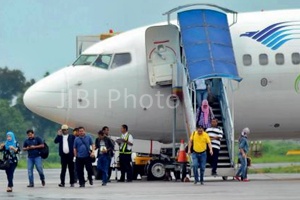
x=103, y=165
x=243, y=168
x=10, y=174
x=37, y=161
x=199, y=160
x=200, y=96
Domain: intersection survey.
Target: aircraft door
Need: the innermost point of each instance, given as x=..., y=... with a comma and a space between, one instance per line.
x=162, y=49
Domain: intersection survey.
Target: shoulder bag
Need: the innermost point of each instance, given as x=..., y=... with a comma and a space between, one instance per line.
x=4, y=164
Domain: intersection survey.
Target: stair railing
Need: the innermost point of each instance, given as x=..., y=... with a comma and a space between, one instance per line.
x=227, y=122
x=188, y=101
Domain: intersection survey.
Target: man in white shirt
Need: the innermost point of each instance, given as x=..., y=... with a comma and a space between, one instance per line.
x=216, y=134
x=125, y=149
x=65, y=141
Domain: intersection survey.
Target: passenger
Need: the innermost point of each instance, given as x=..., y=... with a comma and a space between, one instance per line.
x=125, y=149
x=216, y=134
x=198, y=143
x=105, y=129
x=214, y=89
x=203, y=87
x=66, y=153
x=83, y=151
x=205, y=115
x=75, y=133
x=105, y=147
x=10, y=150
x=33, y=145
x=241, y=174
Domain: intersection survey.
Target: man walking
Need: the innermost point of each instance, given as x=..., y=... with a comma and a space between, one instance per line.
x=105, y=147
x=125, y=149
x=83, y=151
x=66, y=153
x=76, y=134
x=198, y=144
x=33, y=145
x=216, y=134
x=105, y=130
x=241, y=174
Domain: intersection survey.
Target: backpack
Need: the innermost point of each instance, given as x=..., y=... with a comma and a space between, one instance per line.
x=44, y=152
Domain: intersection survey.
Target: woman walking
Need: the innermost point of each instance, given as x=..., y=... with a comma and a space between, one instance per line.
x=10, y=150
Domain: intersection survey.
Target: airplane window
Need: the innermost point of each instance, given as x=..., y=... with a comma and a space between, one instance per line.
x=102, y=61
x=279, y=58
x=85, y=60
x=263, y=59
x=296, y=58
x=121, y=59
x=247, y=59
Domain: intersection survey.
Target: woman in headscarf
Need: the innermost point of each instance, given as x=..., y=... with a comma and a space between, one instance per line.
x=205, y=115
x=10, y=150
x=241, y=174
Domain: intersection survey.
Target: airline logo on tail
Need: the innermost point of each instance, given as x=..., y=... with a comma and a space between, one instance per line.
x=276, y=35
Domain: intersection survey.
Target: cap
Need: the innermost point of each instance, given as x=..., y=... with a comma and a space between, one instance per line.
x=64, y=126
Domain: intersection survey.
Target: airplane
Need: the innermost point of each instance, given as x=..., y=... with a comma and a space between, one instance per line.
x=130, y=88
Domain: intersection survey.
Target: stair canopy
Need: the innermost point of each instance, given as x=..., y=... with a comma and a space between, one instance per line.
x=207, y=44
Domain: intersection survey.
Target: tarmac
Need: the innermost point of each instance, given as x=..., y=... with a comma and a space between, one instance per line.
x=261, y=186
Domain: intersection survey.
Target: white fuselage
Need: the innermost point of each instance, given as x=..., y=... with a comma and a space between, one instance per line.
x=93, y=97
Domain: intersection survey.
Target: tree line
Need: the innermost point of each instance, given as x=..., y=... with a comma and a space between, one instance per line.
x=14, y=116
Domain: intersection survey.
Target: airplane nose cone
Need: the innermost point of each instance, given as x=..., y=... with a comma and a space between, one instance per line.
x=48, y=97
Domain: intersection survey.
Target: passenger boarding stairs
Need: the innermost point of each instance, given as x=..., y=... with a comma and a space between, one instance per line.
x=217, y=105
x=207, y=53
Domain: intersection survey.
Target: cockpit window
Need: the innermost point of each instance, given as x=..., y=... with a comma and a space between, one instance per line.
x=102, y=61
x=85, y=60
x=121, y=59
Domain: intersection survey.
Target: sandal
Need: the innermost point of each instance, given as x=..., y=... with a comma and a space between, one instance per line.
x=9, y=189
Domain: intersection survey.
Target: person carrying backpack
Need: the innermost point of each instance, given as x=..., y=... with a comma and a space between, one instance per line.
x=33, y=145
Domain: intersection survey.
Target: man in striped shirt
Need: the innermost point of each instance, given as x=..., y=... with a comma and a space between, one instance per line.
x=216, y=134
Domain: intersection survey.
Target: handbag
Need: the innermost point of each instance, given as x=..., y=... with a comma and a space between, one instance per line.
x=4, y=164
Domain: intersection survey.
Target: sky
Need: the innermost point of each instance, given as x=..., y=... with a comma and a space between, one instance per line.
x=39, y=36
